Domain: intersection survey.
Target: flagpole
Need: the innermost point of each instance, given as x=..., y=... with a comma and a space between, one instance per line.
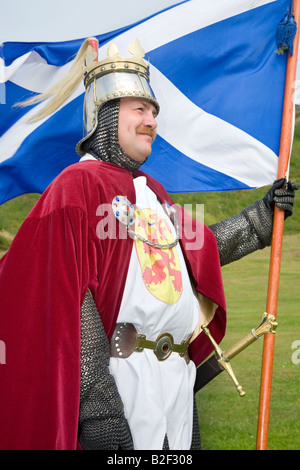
x=276, y=248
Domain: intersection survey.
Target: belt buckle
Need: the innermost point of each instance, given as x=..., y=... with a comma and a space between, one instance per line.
x=164, y=346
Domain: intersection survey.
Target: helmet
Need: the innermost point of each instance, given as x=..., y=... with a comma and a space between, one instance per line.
x=112, y=78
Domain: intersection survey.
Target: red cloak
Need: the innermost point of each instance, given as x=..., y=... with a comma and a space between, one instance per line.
x=55, y=257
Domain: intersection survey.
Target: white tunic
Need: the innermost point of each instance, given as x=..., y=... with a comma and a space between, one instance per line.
x=158, y=298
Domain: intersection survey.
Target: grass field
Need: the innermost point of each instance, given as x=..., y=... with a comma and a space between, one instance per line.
x=228, y=422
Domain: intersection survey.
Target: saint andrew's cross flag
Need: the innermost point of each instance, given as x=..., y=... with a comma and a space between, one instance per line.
x=216, y=72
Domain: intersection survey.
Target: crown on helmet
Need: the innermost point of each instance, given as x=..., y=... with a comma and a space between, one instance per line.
x=112, y=78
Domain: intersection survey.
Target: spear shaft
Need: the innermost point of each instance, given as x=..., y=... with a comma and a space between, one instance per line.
x=276, y=247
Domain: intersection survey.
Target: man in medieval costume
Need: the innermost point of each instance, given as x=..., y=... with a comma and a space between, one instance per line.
x=103, y=291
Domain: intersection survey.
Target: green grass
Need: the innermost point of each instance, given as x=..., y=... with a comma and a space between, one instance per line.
x=12, y=214
x=226, y=420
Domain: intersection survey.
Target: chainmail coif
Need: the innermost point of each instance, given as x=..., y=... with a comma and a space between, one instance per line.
x=104, y=144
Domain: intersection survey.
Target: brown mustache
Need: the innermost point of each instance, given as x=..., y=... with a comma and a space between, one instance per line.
x=147, y=130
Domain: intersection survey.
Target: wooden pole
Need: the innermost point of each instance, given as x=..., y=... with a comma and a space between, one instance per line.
x=275, y=260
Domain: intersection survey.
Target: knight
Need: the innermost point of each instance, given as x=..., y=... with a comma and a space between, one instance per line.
x=103, y=346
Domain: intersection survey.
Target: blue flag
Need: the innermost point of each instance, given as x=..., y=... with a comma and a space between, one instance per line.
x=217, y=72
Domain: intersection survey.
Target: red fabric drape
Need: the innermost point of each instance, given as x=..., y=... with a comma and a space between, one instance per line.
x=56, y=255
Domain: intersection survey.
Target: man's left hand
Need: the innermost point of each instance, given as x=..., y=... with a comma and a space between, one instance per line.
x=282, y=193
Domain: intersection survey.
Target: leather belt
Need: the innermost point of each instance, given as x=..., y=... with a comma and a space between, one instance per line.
x=125, y=340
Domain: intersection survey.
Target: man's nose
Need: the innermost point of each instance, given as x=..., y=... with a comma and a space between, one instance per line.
x=150, y=121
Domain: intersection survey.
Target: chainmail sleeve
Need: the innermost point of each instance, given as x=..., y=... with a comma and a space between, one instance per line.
x=248, y=231
x=102, y=424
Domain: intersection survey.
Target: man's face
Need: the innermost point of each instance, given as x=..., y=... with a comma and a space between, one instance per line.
x=137, y=127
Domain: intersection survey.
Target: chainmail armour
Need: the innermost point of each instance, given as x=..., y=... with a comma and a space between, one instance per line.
x=102, y=424
x=244, y=233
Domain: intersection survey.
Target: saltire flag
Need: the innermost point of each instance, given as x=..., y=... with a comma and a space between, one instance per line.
x=216, y=72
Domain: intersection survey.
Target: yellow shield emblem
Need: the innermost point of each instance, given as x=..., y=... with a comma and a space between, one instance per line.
x=160, y=267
